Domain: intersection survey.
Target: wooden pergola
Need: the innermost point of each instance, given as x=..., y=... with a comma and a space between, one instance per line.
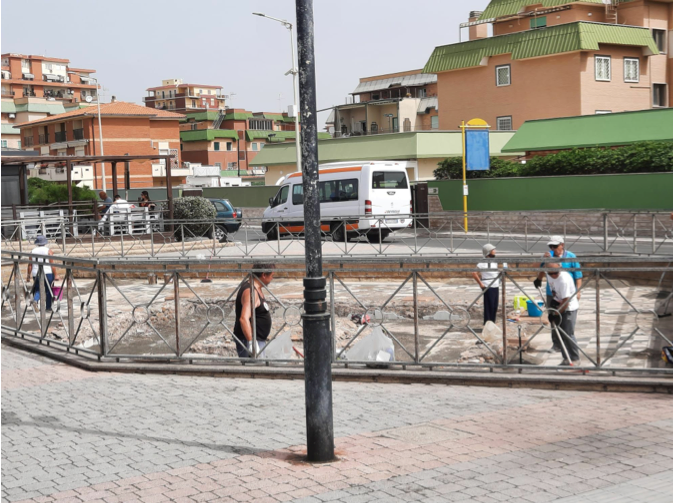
x=23, y=161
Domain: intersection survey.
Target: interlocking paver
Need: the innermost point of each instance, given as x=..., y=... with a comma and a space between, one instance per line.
x=151, y=438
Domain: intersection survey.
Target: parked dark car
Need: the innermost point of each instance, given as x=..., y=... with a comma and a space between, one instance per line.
x=228, y=218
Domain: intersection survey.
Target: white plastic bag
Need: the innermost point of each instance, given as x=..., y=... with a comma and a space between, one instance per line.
x=278, y=349
x=491, y=333
x=375, y=346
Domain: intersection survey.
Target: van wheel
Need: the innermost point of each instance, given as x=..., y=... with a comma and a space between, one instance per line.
x=338, y=232
x=271, y=231
x=373, y=237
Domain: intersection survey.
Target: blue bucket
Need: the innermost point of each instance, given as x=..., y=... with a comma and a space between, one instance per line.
x=533, y=310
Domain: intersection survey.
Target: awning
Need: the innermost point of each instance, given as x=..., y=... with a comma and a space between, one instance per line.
x=29, y=75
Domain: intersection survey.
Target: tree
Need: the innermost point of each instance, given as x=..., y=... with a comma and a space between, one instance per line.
x=43, y=192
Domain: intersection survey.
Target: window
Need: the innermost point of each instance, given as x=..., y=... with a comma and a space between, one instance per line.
x=18, y=144
x=254, y=147
x=281, y=197
x=603, y=112
x=193, y=103
x=4, y=143
x=297, y=195
x=504, y=123
x=422, y=93
x=212, y=102
x=538, y=22
x=376, y=96
x=218, y=165
x=219, y=207
x=603, y=68
x=261, y=146
x=229, y=146
x=232, y=165
x=216, y=145
x=389, y=180
x=260, y=124
x=335, y=191
x=659, y=37
x=631, y=70
x=195, y=127
x=434, y=122
x=659, y=95
x=163, y=94
x=503, y=75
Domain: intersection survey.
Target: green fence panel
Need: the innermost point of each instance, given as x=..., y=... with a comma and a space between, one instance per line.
x=646, y=191
x=243, y=197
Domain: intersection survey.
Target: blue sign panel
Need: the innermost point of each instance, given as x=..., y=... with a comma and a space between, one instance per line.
x=477, y=152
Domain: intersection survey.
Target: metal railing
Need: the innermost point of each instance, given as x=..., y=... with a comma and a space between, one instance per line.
x=432, y=235
x=430, y=313
x=60, y=136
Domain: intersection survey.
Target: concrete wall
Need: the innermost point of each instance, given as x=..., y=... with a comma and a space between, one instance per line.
x=647, y=191
x=242, y=197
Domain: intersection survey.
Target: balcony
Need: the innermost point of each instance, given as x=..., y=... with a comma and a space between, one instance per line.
x=28, y=141
x=159, y=171
x=42, y=139
x=60, y=136
x=78, y=134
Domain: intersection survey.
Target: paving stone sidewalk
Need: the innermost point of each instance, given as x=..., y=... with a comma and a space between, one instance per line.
x=73, y=436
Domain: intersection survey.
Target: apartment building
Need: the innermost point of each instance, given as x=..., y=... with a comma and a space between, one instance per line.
x=127, y=129
x=555, y=58
x=232, y=138
x=177, y=96
x=34, y=87
x=390, y=103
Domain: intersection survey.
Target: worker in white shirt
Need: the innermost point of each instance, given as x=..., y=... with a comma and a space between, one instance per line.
x=563, y=314
x=489, y=281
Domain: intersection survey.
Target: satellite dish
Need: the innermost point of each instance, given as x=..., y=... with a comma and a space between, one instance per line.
x=88, y=99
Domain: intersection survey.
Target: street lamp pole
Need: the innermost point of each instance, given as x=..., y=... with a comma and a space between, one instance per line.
x=316, y=319
x=295, y=84
x=100, y=127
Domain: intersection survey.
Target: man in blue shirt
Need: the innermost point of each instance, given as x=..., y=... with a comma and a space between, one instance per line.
x=557, y=249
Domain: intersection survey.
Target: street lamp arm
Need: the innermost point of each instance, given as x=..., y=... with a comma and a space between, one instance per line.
x=284, y=22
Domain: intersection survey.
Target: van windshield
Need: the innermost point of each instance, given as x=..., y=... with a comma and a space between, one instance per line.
x=389, y=180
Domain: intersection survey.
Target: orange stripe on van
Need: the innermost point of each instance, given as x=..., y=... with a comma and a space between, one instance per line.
x=295, y=229
x=330, y=171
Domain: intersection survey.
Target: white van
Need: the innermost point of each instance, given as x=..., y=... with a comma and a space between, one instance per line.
x=375, y=194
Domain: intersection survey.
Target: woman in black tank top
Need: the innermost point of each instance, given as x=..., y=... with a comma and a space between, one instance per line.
x=262, y=276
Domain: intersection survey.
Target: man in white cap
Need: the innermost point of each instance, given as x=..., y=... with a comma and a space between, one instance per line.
x=557, y=249
x=489, y=282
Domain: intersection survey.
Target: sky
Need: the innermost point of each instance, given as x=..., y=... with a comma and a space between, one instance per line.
x=134, y=44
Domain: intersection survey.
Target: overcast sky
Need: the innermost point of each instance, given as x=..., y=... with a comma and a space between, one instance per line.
x=134, y=44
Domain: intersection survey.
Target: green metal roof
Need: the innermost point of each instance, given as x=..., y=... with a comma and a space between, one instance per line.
x=208, y=134
x=9, y=129
x=238, y=116
x=593, y=131
x=8, y=107
x=500, y=8
x=284, y=135
x=416, y=145
x=201, y=116
x=579, y=36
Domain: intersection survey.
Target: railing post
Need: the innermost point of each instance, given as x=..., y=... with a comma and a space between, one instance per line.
x=605, y=232
x=504, y=317
x=635, y=233
x=654, y=231
x=18, y=294
x=176, y=289
x=102, y=313
x=151, y=240
x=332, y=309
x=63, y=231
x=416, y=335
x=253, y=293
x=43, y=301
x=69, y=303
x=598, y=318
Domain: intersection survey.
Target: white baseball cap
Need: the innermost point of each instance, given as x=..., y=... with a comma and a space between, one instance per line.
x=556, y=240
x=488, y=248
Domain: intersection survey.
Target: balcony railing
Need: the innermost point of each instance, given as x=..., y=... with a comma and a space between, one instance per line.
x=42, y=139
x=28, y=141
x=78, y=134
x=401, y=129
x=60, y=136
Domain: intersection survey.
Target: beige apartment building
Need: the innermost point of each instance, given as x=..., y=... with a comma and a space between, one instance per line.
x=390, y=103
x=555, y=58
x=175, y=95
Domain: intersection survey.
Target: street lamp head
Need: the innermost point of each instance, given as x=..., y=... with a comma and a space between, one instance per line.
x=258, y=14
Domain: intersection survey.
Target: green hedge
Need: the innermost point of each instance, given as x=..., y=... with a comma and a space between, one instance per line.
x=43, y=192
x=642, y=157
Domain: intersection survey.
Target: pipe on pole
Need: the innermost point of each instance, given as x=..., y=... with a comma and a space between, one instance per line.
x=317, y=336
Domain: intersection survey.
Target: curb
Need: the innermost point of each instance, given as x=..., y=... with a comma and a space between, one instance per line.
x=500, y=379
